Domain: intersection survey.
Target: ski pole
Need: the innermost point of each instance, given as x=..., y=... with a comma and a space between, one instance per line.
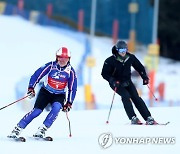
x=69, y=124
x=14, y=102
x=111, y=104
x=152, y=93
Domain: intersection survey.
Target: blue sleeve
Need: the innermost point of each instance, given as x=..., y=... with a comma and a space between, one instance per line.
x=72, y=86
x=39, y=74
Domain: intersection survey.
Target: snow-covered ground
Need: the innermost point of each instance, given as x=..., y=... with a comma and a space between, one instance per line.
x=87, y=126
x=24, y=47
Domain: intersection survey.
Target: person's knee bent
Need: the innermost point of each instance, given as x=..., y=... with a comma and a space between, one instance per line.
x=51, y=117
x=29, y=117
x=56, y=106
x=35, y=112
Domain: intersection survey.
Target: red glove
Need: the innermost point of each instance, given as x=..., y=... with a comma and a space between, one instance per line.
x=67, y=107
x=31, y=93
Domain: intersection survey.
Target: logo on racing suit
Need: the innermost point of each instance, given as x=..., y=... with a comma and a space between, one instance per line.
x=57, y=81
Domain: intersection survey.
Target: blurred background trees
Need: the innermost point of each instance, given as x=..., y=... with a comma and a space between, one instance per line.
x=108, y=11
x=168, y=31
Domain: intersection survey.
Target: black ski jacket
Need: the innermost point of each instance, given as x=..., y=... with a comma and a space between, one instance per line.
x=120, y=70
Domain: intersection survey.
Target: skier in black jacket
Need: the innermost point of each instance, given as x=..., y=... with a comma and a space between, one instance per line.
x=117, y=71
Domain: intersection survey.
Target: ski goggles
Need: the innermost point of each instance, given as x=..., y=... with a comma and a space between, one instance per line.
x=121, y=50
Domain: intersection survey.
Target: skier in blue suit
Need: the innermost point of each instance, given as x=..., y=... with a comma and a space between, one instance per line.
x=59, y=76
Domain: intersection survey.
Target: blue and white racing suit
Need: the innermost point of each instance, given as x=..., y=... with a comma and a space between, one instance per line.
x=56, y=82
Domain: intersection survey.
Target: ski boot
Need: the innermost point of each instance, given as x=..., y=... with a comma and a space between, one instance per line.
x=150, y=121
x=135, y=121
x=41, y=132
x=16, y=132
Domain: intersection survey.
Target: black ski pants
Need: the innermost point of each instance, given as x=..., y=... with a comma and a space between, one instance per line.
x=128, y=95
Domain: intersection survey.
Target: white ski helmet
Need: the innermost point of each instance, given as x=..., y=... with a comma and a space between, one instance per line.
x=63, y=52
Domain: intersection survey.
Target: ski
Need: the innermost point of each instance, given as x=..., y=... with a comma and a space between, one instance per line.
x=47, y=138
x=162, y=124
x=18, y=139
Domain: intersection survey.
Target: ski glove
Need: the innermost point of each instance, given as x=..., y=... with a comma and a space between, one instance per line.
x=145, y=81
x=114, y=83
x=31, y=93
x=67, y=107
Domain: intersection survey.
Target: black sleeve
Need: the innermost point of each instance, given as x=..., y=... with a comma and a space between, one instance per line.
x=139, y=68
x=107, y=70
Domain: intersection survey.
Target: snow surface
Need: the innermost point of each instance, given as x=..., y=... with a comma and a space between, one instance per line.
x=86, y=128
x=24, y=47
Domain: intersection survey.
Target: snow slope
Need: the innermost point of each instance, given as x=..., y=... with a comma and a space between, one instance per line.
x=24, y=47
x=86, y=127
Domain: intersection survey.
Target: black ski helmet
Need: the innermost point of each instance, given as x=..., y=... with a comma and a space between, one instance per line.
x=121, y=45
